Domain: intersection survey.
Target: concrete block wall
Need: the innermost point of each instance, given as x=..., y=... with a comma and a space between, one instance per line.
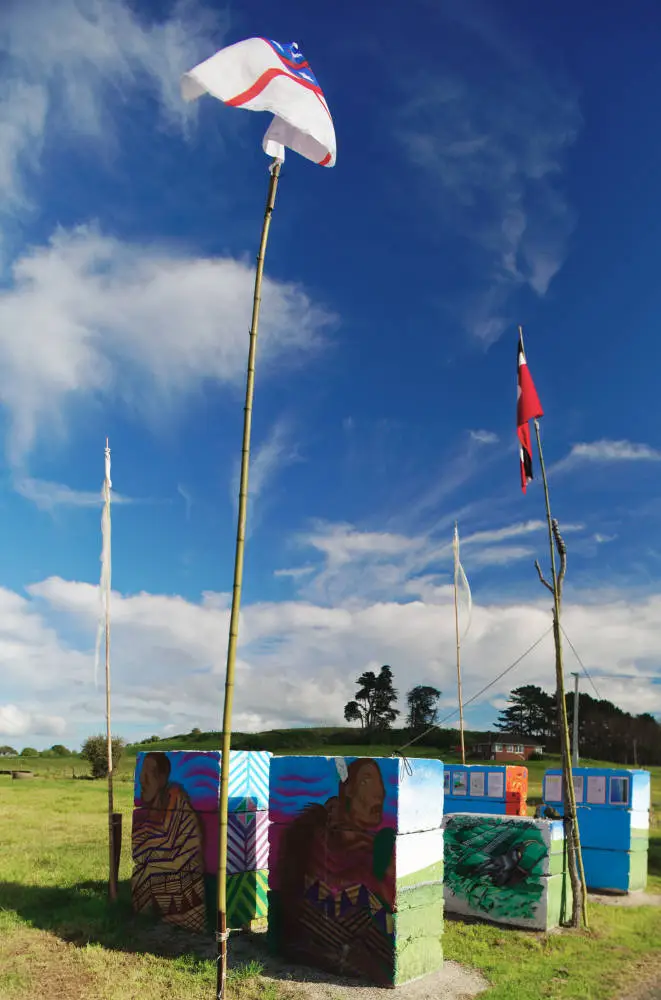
x=356, y=865
x=175, y=837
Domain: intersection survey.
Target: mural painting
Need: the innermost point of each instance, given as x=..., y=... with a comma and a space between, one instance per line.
x=494, y=789
x=175, y=837
x=169, y=845
x=333, y=868
x=505, y=869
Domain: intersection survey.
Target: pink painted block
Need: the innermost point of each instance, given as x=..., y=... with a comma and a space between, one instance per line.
x=247, y=842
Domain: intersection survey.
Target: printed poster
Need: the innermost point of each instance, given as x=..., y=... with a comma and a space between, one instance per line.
x=446, y=782
x=459, y=783
x=597, y=789
x=477, y=783
x=554, y=788
x=496, y=784
x=578, y=787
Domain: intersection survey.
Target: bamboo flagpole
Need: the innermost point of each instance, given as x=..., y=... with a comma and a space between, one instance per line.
x=457, y=565
x=260, y=75
x=236, y=589
x=574, y=855
x=106, y=587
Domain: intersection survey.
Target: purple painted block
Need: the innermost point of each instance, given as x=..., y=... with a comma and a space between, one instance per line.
x=247, y=842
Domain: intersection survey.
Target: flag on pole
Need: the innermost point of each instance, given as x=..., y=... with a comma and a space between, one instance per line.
x=528, y=407
x=461, y=581
x=262, y=75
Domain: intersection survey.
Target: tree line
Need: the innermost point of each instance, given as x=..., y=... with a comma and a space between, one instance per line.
x=605, y=731
x=373, y=705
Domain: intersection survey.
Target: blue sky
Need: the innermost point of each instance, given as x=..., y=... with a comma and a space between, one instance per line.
x=493, y=168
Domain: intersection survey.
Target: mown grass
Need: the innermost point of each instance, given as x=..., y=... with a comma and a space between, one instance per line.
x=59, y=937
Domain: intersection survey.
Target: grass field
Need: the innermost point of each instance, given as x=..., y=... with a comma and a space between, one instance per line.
x=59, y=937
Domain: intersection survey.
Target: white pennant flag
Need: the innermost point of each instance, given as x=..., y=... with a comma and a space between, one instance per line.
x=461, y=581
x=105, y=583
x=262, y=75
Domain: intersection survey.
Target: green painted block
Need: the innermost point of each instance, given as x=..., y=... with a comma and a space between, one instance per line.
x=640, y=840
x=432, y=873
x=418, y=936
x=558, y=900
x=420, y=895
x=638, y=870
x=247, y=895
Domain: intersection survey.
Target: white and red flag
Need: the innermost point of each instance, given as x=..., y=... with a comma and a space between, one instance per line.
x=262, y=75
x=528, y=407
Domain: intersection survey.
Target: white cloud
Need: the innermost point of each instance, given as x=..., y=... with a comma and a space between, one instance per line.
x=63, y=60
x=491, y=145
x=47, y=495
x=298, y=660
x=267, y=459
x=15, y=722
x=484, y=437
x=102, y=317
x=296, y=573
x=606, y=451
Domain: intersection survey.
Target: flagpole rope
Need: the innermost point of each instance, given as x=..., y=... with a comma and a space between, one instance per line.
x=580, y=661
x=455, y=711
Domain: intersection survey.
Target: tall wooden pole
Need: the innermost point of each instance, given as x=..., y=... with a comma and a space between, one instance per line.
x=456, y=627
x=221, y=926
x=574, y=856
x=112, y=877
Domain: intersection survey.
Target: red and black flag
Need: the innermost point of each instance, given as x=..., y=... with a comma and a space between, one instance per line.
x=528, y=407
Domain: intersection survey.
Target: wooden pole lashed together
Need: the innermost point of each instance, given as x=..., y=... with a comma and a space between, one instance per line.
x=112, y=854
x=574, y=741
x=458, y=637
x=221, y=928
x=574, y=856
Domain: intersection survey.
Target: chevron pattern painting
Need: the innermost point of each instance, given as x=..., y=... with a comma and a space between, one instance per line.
x=246, y=897
x=247, y=842
x=249, y=780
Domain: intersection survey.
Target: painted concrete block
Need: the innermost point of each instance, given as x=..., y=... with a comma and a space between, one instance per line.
x=480, y=788
x=505, y=869
x=412, y=791
x=247, y=894
x=176, y=833
x=606, y=788
x=615, y=871
x=249, y=780
x=340, y=859
x=193, y=772
x=247, y=842
x=616, y=830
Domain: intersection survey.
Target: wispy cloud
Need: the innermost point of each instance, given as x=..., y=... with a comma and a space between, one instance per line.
x=484, y=437
x=63, y=60
x=268, y=459
x=47, y=495
x=490, y=135
x=186, y=497
x=606, y=451
x=296, y=573
x=104, y=317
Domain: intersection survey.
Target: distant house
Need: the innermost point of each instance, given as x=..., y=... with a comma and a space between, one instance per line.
x=503, y=748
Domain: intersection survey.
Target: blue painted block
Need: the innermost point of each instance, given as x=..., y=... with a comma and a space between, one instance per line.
x=411, y=793
x=617, y=871
x=456, y=804
x=249, y=780
x=613, y=831
x=602, y=788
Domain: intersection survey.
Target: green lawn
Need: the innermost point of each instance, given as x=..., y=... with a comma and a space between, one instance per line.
x=59, y=937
